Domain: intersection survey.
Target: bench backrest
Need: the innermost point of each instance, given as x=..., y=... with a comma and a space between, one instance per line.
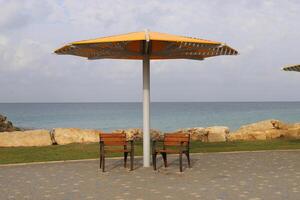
x=113, y=139
x=176, y=139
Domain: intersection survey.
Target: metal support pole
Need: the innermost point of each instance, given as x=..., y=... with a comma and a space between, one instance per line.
x=146, y=111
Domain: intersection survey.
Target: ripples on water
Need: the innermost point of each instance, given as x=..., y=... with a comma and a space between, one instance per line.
x=164, y=116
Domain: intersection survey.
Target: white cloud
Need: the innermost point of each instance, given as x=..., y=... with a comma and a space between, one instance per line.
x=28, y=52
x=12, y=14
x=3, y=40
x=266, y=33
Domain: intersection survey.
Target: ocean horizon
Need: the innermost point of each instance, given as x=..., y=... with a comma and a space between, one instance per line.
x=165, y=116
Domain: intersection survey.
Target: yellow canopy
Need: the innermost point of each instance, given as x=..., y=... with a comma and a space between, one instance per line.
x=134, y=46
x=292, y=68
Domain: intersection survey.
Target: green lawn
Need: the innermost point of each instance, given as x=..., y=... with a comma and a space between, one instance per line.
x=85, y=151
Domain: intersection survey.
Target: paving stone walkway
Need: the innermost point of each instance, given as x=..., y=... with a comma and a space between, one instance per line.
x=218, y=176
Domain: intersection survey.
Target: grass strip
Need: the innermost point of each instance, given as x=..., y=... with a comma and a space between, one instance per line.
x=88, y=151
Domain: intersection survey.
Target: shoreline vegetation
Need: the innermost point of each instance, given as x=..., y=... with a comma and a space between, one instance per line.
x=23, y=146
x=10, y=155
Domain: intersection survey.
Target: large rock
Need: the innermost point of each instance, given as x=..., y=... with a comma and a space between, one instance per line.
x=217, y=133
x=236, y=136
x=137, y=133
x=131, y=133
x=156, y=134
x=251, y=136
x=265, y=135
x=5, y=125
x=25, y=138
x=258, y=126
x=293, y=133
x=196, y=133
x=262, y=130
x=279, y=124
x=275, y=133
x=74, y=135
x=266, y=130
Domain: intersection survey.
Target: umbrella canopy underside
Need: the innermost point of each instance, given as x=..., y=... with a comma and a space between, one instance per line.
x=134, y=45
x=292, y=68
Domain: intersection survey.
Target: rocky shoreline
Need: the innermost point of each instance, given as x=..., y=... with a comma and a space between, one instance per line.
x=262, y=130
x=6, y=125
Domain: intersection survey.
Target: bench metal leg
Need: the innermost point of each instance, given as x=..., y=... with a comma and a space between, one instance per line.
x=131, y=160
x=101, y=155
x=100, y=159
x=103, y=163
x=180, y=161
x=125, y=159
x=154, y=160
x=188, y=158
x=164, y=155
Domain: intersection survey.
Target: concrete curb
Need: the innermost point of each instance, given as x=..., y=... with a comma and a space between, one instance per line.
x=115, y=158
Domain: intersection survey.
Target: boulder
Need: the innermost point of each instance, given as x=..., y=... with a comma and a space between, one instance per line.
x=25, y=138
x=217, y=133
x=275, y=133
x=196, y=133
x=131, y=133
x=262, y=130
x=296, y=125
x=2, y=118
x=235, y=136
x=293, y=133
x=5, y=125
x=258, y=126
x=279, y=124
x=156, y=134
x=74, y=135
x=255, y=135
x=137, y=133
x=266, y=130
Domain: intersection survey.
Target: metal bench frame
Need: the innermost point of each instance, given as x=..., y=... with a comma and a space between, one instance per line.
x=179, y=140
x=107, y=140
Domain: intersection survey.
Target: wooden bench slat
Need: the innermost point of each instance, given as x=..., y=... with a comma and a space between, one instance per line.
x=113, y=139
x=174, y=143
x=176, y=139
x=171, y=144
x=114, y=143
x=176, y=135
x=113, y=135
x=117, y=150
x=169, y=151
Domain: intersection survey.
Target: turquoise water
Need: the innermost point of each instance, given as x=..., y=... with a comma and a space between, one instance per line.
x=164, y=116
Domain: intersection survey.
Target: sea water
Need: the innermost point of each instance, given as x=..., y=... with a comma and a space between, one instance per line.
x=166, y=116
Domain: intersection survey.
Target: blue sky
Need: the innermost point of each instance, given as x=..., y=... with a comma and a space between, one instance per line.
x=266, y=33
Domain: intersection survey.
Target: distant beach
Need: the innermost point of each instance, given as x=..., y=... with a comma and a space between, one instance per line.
x=165, y=116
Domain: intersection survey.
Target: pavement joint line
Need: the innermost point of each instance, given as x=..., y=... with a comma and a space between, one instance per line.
x=115, y=158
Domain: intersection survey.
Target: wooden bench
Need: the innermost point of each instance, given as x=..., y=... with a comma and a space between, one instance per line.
x=111, y=142
x=173, y=143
